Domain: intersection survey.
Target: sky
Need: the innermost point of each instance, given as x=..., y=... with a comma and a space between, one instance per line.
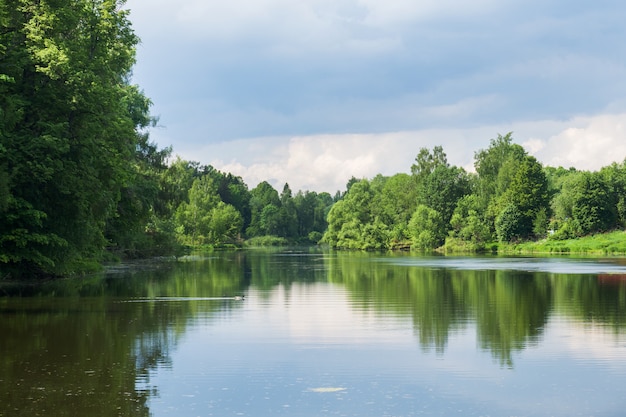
x=313, y=92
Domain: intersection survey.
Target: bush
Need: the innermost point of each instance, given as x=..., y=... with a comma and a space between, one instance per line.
x=267, y=241
x=509, y=224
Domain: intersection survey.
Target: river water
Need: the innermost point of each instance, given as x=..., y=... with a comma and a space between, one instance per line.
x=302, y=332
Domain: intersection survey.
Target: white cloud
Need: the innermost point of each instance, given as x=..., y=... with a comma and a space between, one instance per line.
x=589, y=143
x=326, y=162
x=590, y=342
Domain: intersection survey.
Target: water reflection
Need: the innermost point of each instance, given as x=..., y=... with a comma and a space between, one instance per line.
x=320, y=333
x=60, y=357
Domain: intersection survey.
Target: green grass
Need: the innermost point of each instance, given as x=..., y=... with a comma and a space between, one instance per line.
x=613, y=243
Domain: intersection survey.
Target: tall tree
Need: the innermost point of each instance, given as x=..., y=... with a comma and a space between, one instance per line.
x=67, y=129
x=442, y=189
x=426, y=162
x=585, y=205
x=615, y=177
x=427, y=228
x=288, y=214
x=194, y=217
x=524, y=200
x=494, y=165
x=262, y=196
x=354, y=223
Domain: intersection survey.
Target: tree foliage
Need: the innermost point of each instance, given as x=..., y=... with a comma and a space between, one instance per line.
x=69, y=127
x=427, y=228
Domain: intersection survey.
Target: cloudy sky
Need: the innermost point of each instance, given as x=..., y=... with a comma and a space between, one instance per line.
x=312, y=92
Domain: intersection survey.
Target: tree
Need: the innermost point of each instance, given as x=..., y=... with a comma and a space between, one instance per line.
x=595, y=207
x=288, y=214
x=311, y=211
x=510, y=224
x=68, y=128
x=442, y=189
x=395, y=205
x=426, y=162
x=232, y=190
x=584, y=205
x=194, y=218
x=397, y=199
x=262, y=196
x=174, y=186
x=468, y=222
x=225, y=224
x=348, y=218
x=492, y=169
x=524, y=200
x=427, y=228
x=615, y=177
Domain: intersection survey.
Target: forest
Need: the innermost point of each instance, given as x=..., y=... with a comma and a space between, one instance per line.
x=81, y=182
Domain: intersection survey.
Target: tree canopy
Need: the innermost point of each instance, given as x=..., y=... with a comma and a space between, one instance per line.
x=70, y=128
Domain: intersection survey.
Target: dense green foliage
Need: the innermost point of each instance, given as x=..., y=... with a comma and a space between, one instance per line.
x=72, y=153
x=511, y=198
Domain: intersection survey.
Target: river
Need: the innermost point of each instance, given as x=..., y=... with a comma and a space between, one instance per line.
x=304, y=332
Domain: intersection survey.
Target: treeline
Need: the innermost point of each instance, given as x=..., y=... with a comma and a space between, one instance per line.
x=79, y=178
x=510, y=198
x=199, y=205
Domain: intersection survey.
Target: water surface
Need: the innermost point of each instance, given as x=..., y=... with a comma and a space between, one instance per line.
x=338, y=334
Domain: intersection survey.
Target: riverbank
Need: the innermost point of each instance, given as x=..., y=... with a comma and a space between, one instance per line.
x=613, y=243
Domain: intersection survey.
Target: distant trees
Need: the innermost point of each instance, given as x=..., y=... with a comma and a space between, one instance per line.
x=402, y=210
x=587, y=203
x=511, y=197
x=218, y=208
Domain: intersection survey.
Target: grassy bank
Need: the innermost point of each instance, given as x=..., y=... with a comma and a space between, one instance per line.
x=613, y=243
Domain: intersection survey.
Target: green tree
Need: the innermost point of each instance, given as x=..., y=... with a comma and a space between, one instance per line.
x=524, y=200
x=495, y=166
x=443, y=188
x=311, y=211
x=225, y=224
x=595, y=206
x=348, y=218
x=615, y=177
x=262, y=196
x=468, y=222
x=427, y=228
x=174, y=186
x=396, y=204
x=510, y=224
x=426, y=162
x=584, y=205
x=288, y=214
x=234, y=191
x=127, y=229
x=68, y=127
x=194, y=218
